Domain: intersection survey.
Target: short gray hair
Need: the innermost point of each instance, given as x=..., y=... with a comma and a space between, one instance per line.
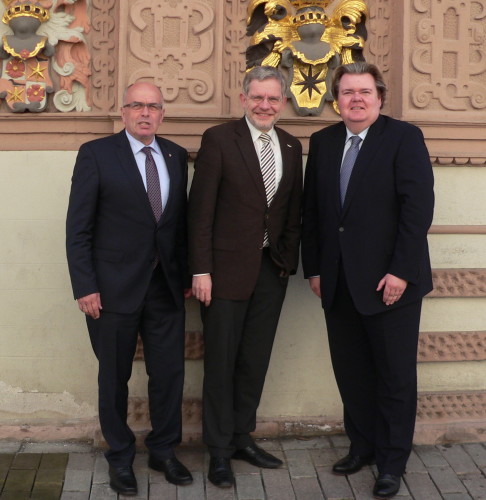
x=261, y=73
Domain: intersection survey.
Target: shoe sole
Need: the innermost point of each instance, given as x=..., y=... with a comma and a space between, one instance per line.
x=250, y=461
x=125, y=493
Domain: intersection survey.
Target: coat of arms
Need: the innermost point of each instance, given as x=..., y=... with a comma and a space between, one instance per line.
x=306, y=41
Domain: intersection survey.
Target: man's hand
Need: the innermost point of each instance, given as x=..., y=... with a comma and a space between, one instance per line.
x=393, y=288
x=315, y=284
x=90, y=305
x=201, y=288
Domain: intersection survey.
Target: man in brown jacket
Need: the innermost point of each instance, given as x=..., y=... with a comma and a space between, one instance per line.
x=244, y=218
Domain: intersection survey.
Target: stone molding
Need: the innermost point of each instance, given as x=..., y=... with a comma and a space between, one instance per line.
x=458, y=283
x=451, y=346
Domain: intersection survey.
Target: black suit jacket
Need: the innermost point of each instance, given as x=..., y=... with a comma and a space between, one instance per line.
x=228, y=210
x=112, y=236
x=382, y=227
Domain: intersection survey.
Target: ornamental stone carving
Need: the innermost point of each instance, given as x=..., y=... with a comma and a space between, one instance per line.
x=450, y=56
x=171, y=44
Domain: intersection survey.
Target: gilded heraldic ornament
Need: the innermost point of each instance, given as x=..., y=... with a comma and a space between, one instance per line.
x=306, y=40
x=39, y=37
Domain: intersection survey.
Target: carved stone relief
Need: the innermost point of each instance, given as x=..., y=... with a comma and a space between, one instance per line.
x=449, y=57
x=172, y=43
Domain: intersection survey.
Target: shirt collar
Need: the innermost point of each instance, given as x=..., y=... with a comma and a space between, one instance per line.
x=362, y=134
x=255, y=133
x=137, y=145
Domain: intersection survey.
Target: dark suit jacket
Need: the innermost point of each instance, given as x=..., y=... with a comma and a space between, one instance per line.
x=383, y=225
x=228, y=210
x=112, y=237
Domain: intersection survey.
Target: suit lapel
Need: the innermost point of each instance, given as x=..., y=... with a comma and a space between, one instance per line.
x=129, y=166
x=245, y=144
x=334, y=153
x=286, y=150
x=368, y=150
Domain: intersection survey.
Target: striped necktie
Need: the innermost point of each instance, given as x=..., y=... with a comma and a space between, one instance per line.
x=267, y=166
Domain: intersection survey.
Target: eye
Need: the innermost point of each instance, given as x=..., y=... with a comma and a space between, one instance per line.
x=154, y=106
x=274, y=100
x=136, y=106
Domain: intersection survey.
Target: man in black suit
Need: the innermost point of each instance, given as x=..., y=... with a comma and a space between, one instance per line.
x=127, y=249
x=244, y=233
x=364, y=250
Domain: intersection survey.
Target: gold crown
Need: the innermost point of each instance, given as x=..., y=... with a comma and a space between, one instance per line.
x=309, y=17
x=300, y=4
x=24, y=10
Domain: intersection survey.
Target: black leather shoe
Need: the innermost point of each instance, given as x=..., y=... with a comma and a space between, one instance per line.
x=220, y=473
x=351, y=464
x=175, y=472
x=123, y=481
x=257, y=456
x=386, y=486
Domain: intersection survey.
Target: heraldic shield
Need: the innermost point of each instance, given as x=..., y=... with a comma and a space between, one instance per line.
x=306, y=40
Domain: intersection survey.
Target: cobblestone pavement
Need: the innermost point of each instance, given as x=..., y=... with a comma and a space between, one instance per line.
x=73, y=471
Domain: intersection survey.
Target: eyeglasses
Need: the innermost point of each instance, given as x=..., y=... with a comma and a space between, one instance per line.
x=258, y=99
x=137, y=106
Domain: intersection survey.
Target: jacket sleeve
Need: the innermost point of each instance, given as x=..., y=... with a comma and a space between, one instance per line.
x=414, y=188
x=80, y=222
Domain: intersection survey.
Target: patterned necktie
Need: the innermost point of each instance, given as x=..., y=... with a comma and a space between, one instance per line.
x=153, y=183
x=267, y=165
x=348, y=164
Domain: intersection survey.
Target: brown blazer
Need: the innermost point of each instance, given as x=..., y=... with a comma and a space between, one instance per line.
x=228, y=211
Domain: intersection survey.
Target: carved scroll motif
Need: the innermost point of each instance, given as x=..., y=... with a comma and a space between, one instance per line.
x=379, y=42
x=172, y=38
x=451, y=54
x=234, y=50
x=103, y=50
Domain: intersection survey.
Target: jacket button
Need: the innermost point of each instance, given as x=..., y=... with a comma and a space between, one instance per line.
x=267, y=216
x=341, y=229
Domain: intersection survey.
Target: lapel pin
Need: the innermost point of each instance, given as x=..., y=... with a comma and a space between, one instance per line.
x=170, y=156
x=289, y=146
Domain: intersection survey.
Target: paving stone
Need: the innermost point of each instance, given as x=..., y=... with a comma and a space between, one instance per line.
x=307, y=488
x=10, y=447
x=81, y=461
x=52, y=461
x=270, y=445
x=457, y=496
x=15, y=495
x=306, y=443
x=340, y=441
x=415, y=464
x=102, y=492
x=215, y=493
x=334, y=487
x=460, y=461
x=277, y=484
x=325, y=457
x=446, y=480
x=192, y=458
x=165, y=491
x=42, y=492
x=421, y=486
x=431, y=456
x=75, y=495
x=56, y=447
x=477, y=452
x=194, y=491
x=249, y=487
x=300, y=464
x=100, y=471
x=6, y=460
x=26, y=461
x=242, y=467
x=19, y=480
x=362, y=483
x=476, y=487
x=77, y=480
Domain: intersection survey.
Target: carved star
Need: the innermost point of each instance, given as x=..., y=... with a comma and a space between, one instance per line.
x=16, y=94
x=310, y=81
x=37, y=71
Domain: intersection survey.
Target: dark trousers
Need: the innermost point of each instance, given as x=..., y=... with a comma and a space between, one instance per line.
x=114, y=339
x=374, y=360
x=238, y=340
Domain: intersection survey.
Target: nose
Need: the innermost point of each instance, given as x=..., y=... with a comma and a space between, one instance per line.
x=265, y=104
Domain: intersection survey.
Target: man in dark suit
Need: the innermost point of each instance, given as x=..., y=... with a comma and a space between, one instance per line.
x=127, y=250
x=244, y=231
x=364, y=250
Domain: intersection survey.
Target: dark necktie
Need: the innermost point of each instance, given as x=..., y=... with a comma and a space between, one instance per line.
x=267, y=165
x=348, y=164
x=153, y=183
